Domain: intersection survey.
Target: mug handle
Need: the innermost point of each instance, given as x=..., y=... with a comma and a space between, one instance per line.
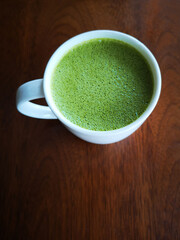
x=29, y=91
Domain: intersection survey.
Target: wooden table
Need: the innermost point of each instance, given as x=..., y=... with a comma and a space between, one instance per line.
x=56, y=186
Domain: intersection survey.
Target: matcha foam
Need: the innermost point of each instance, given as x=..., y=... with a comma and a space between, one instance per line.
x=102, y=84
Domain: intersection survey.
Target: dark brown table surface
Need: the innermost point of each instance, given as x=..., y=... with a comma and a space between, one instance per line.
x=54, y=185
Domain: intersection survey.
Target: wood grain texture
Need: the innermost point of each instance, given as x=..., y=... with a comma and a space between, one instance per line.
x=56, y=186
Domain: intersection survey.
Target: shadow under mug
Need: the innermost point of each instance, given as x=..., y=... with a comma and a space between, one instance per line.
x=40, y=88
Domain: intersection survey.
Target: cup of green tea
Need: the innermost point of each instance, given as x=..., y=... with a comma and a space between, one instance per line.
x=102, y=85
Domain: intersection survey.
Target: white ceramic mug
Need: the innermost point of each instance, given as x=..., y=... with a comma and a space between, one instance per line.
x=41, y=88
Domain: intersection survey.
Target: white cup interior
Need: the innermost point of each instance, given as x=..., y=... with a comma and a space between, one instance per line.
x=65, y=47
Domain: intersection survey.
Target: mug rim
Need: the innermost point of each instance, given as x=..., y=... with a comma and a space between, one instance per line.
x=79, y=39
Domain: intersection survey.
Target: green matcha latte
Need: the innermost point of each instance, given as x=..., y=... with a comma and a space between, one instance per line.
x=102, y=84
